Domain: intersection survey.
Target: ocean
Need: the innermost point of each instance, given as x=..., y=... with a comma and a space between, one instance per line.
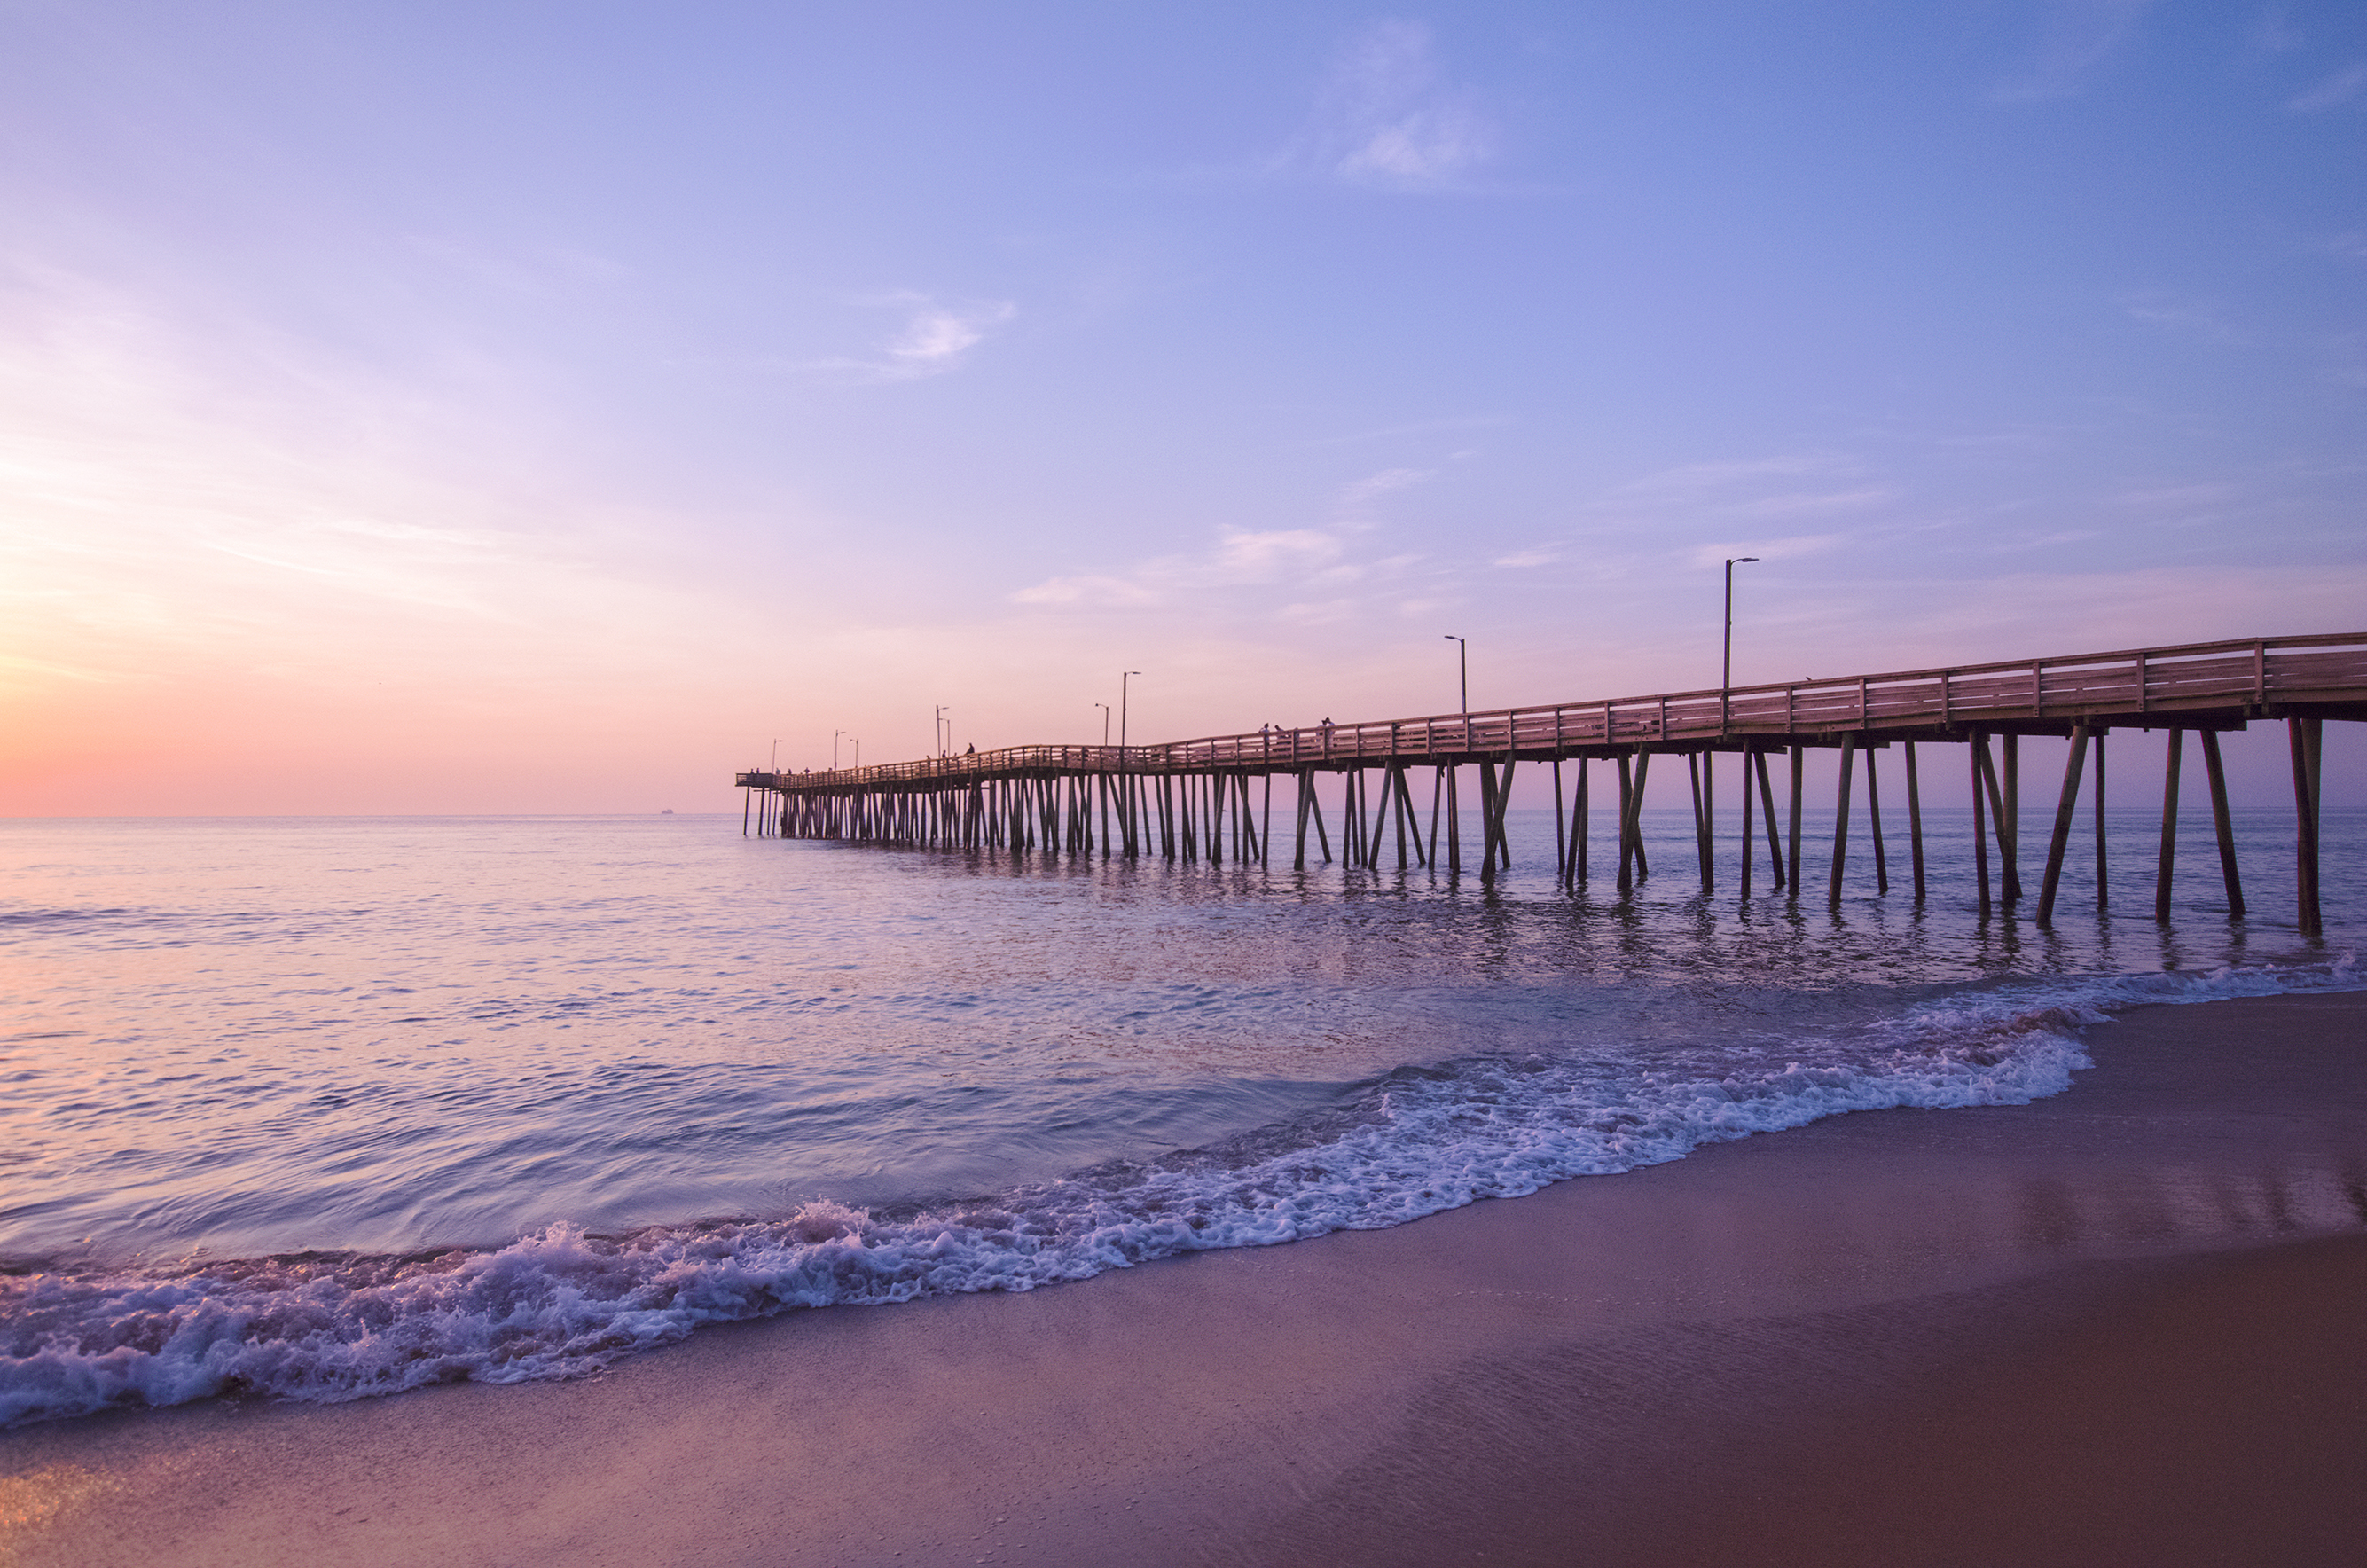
x=328, y=1107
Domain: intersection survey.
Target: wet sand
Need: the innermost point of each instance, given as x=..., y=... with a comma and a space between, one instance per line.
x=2118, y=1326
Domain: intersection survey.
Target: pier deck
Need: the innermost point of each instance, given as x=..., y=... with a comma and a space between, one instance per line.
x=1175, y=798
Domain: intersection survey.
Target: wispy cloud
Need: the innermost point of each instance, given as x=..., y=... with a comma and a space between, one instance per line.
x=2042, y=542
x=1721, y=552
x=541, y=274
x=1385, y=119
x=2155, y=495
x=2272, y=31
x=2332, y=93
x=1699, y=478
x=1090, y=589
x=1312, y=566
x=2078, y=35
x=1704, y=513
x=1243, y=557
x=177, y=511
x=1306, y=575
x=1750, y=490
x=1356, y=497
x=1811, y=503
x=1419, y=427
x=935, y=339
x=2170, y=312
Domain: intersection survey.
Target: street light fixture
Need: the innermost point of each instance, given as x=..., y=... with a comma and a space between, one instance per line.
x=833, y=749
x=1105, y=716
x=776, y=756
x=1463, y=665
x=858, y=750
x=944, y=737
x=1122, y=698
x=1726, y=663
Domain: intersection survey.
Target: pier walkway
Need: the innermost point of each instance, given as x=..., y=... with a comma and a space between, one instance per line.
x=1192, y=800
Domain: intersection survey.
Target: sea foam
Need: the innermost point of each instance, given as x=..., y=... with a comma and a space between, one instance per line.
x=560, y=1302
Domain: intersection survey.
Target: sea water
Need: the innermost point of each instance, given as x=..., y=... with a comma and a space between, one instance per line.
x=328, y=1107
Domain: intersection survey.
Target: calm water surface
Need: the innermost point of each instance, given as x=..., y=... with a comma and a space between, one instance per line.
x=328, y=1106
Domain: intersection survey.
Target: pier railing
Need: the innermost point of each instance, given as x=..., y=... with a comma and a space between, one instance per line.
x=2191, y=682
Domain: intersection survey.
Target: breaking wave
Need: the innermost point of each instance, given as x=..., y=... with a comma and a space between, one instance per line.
x=561, y=1302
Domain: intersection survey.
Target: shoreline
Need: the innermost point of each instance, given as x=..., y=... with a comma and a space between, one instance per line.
x=1815, y=1343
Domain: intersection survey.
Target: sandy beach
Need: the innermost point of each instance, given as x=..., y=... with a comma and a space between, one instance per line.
x=2117, y=1326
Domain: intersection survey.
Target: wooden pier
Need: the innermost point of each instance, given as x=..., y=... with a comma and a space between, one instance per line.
x=1212, y=799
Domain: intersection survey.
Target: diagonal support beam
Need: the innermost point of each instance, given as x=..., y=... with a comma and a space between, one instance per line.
x=2061, y=842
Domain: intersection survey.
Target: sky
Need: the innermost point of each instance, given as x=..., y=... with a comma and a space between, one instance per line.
x=437, y=407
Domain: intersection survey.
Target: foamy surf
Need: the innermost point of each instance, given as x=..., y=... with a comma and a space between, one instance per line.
x=561, y=1302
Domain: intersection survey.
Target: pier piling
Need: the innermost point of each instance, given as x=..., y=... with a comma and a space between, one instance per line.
x=1792, y=854
x=1774, y=833
x=2103, y=879
x=2172, y=755
x=1874, y=820
x=2303, y=736
x=1192, y=803
x=2225, y=829
x=1840, y=820
x=1914, y=820
x=2061, y=839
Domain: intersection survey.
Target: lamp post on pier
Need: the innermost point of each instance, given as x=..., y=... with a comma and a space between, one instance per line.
x=1463, y=667
x=1122, y=680
x=1105, y=716
x=1726, y=663
x=776, y=756
x=944, y=738
x=833, y=749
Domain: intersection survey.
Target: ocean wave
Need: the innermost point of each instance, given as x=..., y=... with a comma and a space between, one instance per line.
x=560, y=1303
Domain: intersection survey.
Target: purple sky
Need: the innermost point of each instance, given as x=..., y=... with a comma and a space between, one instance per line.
x=517, y=407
